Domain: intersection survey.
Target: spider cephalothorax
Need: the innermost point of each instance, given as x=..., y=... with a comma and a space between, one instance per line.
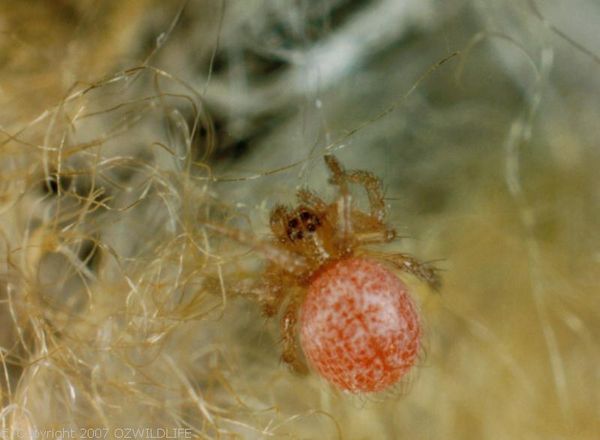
x=300, y=224
x=304, y=230
x=359, y=328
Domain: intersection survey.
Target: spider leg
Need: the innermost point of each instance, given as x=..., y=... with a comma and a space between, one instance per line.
x=292, y=263
x=344, y=204
x=338, y=174
x=373, y=186
x=423, y=271
x=310, y=199
x=290, y=353
x=272, y=293
x=277, y=220
x=267, y=292
x=376, y=237
x=373, y=229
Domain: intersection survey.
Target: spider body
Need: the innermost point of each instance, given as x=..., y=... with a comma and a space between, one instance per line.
x=359, y=328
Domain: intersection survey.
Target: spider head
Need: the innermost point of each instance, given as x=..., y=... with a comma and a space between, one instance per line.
x=304, y=230
x=302, y=223
x=296, y=226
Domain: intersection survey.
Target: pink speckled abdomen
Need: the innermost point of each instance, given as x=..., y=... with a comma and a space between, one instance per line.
x=359, y=328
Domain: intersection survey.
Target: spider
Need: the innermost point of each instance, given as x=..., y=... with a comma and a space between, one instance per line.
x=359, y=328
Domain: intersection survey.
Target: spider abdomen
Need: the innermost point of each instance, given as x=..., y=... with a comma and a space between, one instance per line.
x=359, y=327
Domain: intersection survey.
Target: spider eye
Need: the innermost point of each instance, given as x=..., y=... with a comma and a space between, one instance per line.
x=311, y=227
x=293, y=223
x=305, y=215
